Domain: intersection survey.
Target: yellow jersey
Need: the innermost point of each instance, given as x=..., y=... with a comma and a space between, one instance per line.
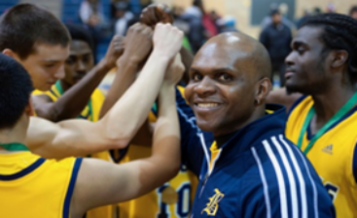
x=333, y=155
x=91, y=113
x=33, y=187
x=171, y=200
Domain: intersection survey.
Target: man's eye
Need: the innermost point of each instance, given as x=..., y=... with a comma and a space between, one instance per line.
x=197, y=77
x=225, y=77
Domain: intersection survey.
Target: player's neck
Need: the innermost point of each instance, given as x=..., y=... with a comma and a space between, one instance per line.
x=15, y=134
x=65, y=86
x=327, y=104
x=12, y=135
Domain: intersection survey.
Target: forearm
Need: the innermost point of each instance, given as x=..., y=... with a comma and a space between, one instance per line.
x=167, y=130
x=132, y=108
x=125, y=76
x=72, y=102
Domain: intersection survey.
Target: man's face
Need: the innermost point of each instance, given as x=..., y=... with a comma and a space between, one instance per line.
x=221, y=88
x=79, y=62
x=46, y=65
x=306, y=63
x=354, y=15
x=276, y=18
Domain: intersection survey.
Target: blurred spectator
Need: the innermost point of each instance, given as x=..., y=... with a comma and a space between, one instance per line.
x=353, y=12
x=331, y=8
x=193, y=17
x=276, y=37
x=267, y=20
x=227, y=24
x=92, y=15
x=123, y=16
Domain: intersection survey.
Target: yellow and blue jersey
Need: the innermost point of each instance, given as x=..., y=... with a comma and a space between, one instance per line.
x=333, y=155
x=173, y=199
x=32, y=187
x=257, y=172
x=91, y=113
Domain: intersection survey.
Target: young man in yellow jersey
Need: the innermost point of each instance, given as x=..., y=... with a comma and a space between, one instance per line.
x=323, y=67
x=31, y=186
x=43, y=52
x=78, y=65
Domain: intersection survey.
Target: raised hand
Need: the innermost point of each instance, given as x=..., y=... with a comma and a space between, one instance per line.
x=156, y=13
x=115, y=50
x=138, y=43
x=175, y=71
x=167, y=40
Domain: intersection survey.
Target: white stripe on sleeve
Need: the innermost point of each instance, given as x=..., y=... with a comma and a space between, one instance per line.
x=300, y=178
x=292, y=184
x=281, y=183
x=265, y=184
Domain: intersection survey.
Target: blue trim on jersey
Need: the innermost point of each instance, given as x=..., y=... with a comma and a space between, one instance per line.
x=72, y=183
x=298, y=101
x=54, y=93
x=23, y=172
x=122, y=153
x=354, y=163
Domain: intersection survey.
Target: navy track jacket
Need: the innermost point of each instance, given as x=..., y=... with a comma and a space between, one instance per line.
x=257, y=173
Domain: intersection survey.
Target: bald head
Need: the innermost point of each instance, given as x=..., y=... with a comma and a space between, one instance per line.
x=235, y=50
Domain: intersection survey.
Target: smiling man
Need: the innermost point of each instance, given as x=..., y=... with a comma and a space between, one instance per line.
x=251, y=169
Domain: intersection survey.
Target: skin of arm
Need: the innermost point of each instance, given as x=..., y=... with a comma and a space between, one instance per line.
x=72, y=102
x=120, y=124
x=280, y=96
x=110, y=183
x=138, y=44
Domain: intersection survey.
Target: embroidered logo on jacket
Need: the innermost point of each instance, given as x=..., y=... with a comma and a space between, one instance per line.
x=212, y=206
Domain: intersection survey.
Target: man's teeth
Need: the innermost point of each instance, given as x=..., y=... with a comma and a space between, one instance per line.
x=207, y=105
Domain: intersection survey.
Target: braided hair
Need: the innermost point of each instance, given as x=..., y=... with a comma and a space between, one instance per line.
x=340, y=33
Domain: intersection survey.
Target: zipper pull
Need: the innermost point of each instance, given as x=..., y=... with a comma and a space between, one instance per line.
x=203, y=184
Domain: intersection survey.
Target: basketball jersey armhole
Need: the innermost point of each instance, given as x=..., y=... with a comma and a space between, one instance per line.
x=71, y=185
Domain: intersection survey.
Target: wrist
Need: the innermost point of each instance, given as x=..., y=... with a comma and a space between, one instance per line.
x=104, y=66
x=161, y=55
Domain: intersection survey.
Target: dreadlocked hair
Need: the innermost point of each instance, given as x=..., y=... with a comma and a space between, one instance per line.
x=340, y=33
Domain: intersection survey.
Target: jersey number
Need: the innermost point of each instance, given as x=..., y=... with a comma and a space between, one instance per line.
x=182, y=208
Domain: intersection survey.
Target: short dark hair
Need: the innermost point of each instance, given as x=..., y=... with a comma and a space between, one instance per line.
x=24, y=25
x=78, y=32
x=340, y=33
x=15, y=91
x=274, y=12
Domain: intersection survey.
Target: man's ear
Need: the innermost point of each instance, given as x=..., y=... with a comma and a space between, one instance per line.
x=30, y=110
x=339, y=58
x=11, y=53
x=264, y=86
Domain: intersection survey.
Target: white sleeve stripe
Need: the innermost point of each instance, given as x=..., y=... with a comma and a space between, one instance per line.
x=203, y=144
x=265, y=184
x=281, y=183
x=312, y=183
x=300, y=178
x=292, y=184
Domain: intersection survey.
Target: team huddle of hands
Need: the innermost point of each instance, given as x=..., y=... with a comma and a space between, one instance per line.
x=154, y=34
